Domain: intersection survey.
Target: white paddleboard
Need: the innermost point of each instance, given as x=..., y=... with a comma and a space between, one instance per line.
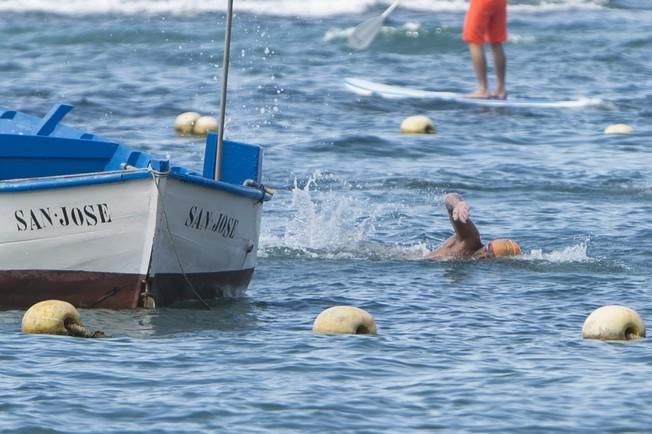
x=368, y=88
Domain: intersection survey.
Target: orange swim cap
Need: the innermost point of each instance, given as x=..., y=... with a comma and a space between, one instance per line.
x=504, y=248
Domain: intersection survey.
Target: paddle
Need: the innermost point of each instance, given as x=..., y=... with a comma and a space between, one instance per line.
x=365, y=32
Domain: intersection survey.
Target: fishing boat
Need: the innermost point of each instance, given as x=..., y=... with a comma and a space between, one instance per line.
x=100, y=224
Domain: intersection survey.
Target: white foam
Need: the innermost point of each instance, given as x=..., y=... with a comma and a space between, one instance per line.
x=559, y=5
x=574, y=253
x=290, y=8
x=320, y=223
x=408, y=29
x=306, y=8
x=521, y=39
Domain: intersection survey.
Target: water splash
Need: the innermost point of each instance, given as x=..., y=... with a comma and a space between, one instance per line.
x=327, y=217
x=321, y=223
x=575, y=253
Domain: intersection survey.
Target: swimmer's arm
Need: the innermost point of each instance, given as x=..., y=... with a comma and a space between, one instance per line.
x=458, y=213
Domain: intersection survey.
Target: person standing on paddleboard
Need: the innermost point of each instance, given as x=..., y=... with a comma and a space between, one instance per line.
x=465, y=243
x=486, y=22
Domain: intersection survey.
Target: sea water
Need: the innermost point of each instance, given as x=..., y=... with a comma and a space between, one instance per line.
x=462, y=346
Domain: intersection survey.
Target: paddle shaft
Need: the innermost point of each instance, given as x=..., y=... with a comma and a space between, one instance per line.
x=390, y=9
x=364, y=33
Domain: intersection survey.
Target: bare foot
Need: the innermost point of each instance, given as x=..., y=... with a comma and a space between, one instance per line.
x=499, y=96
x=479, y=94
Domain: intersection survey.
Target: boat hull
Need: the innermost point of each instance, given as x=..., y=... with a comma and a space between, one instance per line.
x=85, y=289
x=205, y=244
x=173, y=288
x=111, y=243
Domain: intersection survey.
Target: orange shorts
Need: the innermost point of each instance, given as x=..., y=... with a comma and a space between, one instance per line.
x=486, y=21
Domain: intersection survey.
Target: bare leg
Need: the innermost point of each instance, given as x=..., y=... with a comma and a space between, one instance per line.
x=500, y=65
x=480, y=67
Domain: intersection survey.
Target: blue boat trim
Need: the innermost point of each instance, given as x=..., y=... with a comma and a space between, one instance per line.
x=185, y=175
x=122, y=176
x=72, y=180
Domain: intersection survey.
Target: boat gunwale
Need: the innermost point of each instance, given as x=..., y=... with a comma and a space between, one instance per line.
x=94, y=178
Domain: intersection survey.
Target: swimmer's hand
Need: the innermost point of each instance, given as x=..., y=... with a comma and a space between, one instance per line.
x=461, y=212
x=458, y=210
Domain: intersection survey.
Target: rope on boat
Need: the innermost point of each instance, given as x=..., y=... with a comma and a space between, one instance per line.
x=110, y=293
x=267, y=193
x=154, y=173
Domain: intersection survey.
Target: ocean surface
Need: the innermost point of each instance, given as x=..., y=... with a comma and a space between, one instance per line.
x=463, y=346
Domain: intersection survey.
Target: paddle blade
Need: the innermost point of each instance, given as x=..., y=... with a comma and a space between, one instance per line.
x=365, y=32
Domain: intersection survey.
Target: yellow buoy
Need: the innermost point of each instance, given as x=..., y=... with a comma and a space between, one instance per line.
x=185, y=122
x=613, y=323
x=618, y=129
x=344, y=320
x=204, y=124
x=417, y=125
x=55, y=317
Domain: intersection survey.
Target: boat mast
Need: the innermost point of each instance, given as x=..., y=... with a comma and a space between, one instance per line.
x=225, y=77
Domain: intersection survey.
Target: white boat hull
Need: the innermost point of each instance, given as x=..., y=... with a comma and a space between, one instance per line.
x=110, y=243
x=206, y=242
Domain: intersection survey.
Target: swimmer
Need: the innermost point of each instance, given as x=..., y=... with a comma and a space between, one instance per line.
x=465, y=243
